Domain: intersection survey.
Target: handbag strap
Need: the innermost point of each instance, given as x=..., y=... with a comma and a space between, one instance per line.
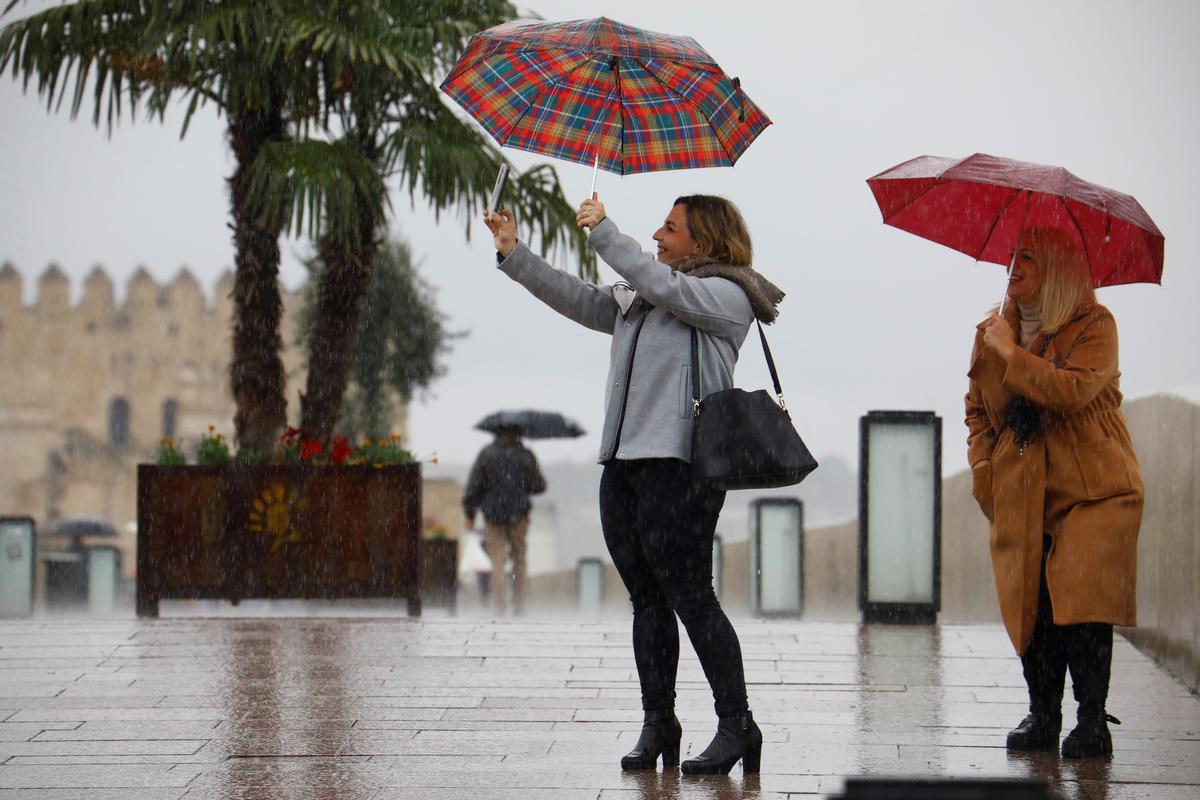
x=762, y=336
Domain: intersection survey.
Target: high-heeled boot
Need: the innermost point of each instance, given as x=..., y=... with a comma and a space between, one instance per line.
x=661, y=733
x=737, y=738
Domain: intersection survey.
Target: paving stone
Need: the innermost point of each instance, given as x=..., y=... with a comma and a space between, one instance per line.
x=453, y=708
x=89, y=776
x=92, y=793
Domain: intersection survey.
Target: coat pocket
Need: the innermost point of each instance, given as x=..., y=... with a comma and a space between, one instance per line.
x=981, y=487
x=1102, y=465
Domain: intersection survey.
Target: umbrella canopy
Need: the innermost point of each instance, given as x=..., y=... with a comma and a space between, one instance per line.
x=84, y=526
x=593, y=89
x=980, y=204
x=531, y=424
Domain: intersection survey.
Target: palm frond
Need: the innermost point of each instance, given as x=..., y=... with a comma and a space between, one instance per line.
x=99, y=41
x=454, y=165
x=316, y=187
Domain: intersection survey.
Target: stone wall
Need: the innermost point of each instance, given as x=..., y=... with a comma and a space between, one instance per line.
x=65, y=366
x=1166, y=434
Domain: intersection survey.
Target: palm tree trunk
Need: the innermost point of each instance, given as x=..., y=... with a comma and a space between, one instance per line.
x=343, y=285
x=256, y=372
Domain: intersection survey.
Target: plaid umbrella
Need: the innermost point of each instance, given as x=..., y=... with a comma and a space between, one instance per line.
x=600, y=92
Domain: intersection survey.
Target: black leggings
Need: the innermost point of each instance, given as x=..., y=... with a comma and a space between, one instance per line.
x=1085, y=648
x=659, y=525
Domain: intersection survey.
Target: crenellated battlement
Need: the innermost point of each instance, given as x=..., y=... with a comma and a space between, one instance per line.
x=182, y=295
x=52, y=290
x=77, y=347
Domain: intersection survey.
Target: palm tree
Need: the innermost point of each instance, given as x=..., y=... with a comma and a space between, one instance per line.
x=400, y=343
x=323, y=101
x=382, y=118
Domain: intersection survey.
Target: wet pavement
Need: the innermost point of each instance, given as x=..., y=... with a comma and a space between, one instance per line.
x=448, y=709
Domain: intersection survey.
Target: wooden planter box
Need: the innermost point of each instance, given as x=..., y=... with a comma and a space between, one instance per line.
x=294, y=531
x=439, y=573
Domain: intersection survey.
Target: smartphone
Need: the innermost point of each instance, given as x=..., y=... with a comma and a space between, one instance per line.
x=493, y=203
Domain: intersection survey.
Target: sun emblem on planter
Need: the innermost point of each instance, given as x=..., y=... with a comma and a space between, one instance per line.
x=273, y=514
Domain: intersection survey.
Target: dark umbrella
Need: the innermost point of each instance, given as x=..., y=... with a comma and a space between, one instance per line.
x=980, y=204
x=531, y=424
x=81, y=526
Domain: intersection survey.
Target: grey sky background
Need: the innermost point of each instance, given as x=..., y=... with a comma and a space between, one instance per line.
x=875, y=318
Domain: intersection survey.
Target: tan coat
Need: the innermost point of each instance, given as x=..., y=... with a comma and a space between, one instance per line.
x=1078, y=480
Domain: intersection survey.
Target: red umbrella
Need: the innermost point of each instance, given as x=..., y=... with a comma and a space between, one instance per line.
x=980, y=204
x=606, y=94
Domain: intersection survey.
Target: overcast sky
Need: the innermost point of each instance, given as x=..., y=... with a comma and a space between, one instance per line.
x=875, y=318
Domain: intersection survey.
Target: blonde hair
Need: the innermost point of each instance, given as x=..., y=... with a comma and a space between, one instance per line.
x=717, y=226
x=1066, y=279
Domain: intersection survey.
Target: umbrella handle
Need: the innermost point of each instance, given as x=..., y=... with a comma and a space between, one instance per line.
x=1016, y=246
x=1011, y=261
x=595, y=169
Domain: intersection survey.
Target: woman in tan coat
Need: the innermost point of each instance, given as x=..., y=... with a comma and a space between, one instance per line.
x=1054, y=471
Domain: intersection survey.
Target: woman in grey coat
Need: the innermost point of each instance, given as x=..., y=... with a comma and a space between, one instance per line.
x=658, y=521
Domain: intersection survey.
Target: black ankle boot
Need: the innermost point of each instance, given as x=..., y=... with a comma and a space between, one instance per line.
x=1090, y=738
x=661, y=733
x=737, y=738
x=1036, y=732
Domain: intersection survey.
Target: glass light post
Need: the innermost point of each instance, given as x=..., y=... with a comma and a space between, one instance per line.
x=589, y=584
x=17, y=558
x=777, y=556
x=899, y=516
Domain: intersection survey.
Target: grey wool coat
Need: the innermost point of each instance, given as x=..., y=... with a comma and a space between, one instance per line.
x=648, y=402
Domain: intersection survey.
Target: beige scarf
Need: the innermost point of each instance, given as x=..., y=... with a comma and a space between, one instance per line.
x=764, y=296
x=1031, y=323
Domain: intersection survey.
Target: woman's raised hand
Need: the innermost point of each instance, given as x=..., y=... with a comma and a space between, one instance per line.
x=503, y=226
x=591, y=213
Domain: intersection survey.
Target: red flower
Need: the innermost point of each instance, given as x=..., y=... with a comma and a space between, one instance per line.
x=291, y=434
x=310, y=448
x=341, y=450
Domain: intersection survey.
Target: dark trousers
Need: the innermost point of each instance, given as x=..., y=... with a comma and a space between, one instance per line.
x=659, y=525
x=1086, y=649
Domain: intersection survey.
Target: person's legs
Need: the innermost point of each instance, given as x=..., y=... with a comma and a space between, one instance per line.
x=1044, y=664
x=1089, y=655
x=655, y=632
x=677, y=518
x=496, y=544
x=518, y=533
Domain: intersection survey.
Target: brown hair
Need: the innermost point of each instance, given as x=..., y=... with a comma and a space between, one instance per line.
x=1066, y=279
x=717, y=226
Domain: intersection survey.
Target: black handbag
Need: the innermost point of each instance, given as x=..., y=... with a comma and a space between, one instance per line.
x=745, y=440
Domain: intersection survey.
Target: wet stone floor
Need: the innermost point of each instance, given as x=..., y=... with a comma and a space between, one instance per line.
x=446, y=709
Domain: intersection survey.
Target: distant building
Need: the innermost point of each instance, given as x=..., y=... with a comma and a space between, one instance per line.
x=89, y=390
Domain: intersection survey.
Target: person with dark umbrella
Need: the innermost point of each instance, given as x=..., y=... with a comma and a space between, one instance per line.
x=504, y=475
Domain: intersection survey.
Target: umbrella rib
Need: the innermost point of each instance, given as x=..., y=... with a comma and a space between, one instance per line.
x=693, y=105
x=620, y=110
x=543, y=88
x=999, y=216
x=1082, y=239
x=939, y=182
